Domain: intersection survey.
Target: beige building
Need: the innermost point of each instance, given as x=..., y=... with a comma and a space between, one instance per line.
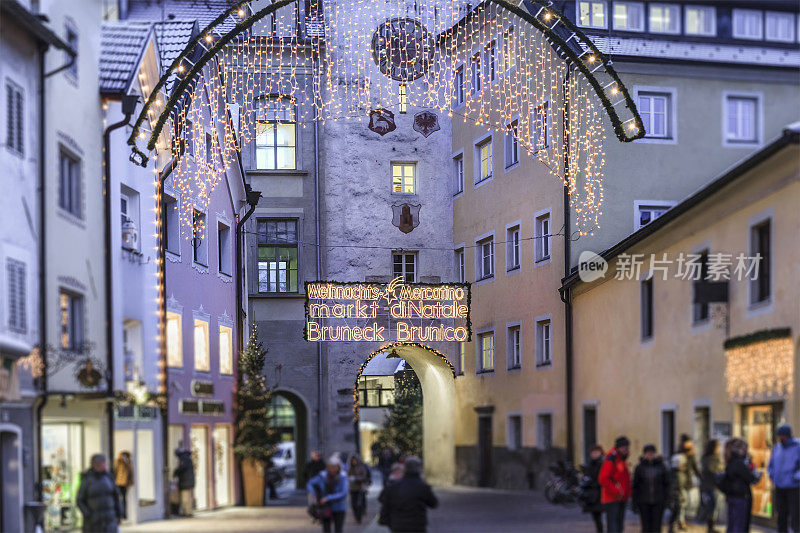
x=657, y=354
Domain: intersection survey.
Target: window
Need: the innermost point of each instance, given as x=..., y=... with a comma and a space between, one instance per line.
x=277, y=255
x=514, y=432
x=592, y=14
x=172, y=230
x=544, y=431
x=201, y=356
x=404, y=264
x=514, y=346
x=461, y=275
x=760, y=246
x=779, y=27
x=655, y=111
x=486, y=352
x=129, y=211
x=541, y=127
x=458, y=86
x=17, y=295
x=668, y=432
x=629, y=16
x=402, y=95
x=15, y=119
x=490, y=54
x=509, y=53
x=174, y=340
x=224, y=249
x=747, y=24
x=542, y=239
x=403, y=178
x=544, y=339
x=458, y=170
x=512, y=248
x=512, y=143
x=648, y=212
x=188, y=141
x=275, y=134
x=71, y=310
x=199, y=238
x=462, y=357
x=132, y=349
x=741, y=119
x=209, y=150
x=376, y=391
x=485, y=257
x=225, y=350
x=484, y=156
x=646, y=313
x=69, y=184
x=701, y=20
x=475, y=73
x=700, y=311
x=665, y=18
x=72, y=41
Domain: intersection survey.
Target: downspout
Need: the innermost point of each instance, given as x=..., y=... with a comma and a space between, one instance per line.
x=252, y=200
x=320, y=429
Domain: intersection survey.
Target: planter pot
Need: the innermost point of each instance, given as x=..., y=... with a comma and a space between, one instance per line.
x=253, y=481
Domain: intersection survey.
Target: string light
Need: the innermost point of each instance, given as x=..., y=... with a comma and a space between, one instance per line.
x=760, y=370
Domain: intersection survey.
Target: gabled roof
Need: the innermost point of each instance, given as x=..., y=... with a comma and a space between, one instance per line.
x=121, y=47
x=173, y=36
x=202, y=11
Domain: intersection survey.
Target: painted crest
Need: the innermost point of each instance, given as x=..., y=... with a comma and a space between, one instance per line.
x=381, y=121
x=406, y=217
x=426, y=122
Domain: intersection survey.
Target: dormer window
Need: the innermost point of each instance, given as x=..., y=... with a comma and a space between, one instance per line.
x=779, y=27
x=748, y=24
x=592, y=14
x=629, y=16
x=701, y=20
x=665, y=18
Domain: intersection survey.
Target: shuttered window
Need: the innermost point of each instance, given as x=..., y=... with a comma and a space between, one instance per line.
x=14, y=119
x=17, y=296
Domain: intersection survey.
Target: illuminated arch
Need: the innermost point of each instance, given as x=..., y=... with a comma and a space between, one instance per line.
x=584, y=55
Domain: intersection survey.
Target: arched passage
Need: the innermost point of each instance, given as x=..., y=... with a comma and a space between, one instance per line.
x=292, y=427
x=437, y=376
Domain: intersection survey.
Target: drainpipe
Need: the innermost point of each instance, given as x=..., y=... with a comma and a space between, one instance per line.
x=320, y=429
x=128, y=107
x=252, y=200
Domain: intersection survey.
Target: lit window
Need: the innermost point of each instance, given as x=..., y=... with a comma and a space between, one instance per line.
x=541, y=127
x=512, y=248
x=542, y=239
x=665, y=18
x=629, y=16
x=403, y=97
x=17, y=295
x=15, y=119
x=458, y=170
x=485, y=258
x=275, y=134
x=514, y=346
x=748, y=24
x=485, y=160
x=174, y=340
x=654, y=109
x=201, y=357
x=458, y=86
x=277, y=255
x=376, y=391
x=460, y=272
x=225, y=350
x=72, y=314
x=486, y=352
x=509, y=53
x=779, y=27
x=544, y=349
x=701, y=20
x=490, y=53
x=592, y=14
x=741, y=120
x=475, y=74
x=512, y=143
x=404, y=265
x=403, y=178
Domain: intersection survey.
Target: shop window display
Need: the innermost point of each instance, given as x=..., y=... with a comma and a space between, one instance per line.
x=62, y=459
x=758, y=429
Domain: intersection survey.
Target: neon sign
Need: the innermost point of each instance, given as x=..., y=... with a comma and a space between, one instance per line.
x=387, y=312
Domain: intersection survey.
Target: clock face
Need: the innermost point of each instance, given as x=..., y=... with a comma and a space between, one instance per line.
x=402, y=48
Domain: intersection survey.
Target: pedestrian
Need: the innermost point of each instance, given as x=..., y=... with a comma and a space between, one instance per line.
x=784, y=471
x=711, y=465
x=404, y=503
x=184, y=474
x=98, y=498
x=329, y=491
x=651, y=489
x=396, y=473
x=123, y=474
x=375, y=451
x=615, y=485
x=314, y=466
x=385, y=462
x=359, y=478
x=687, y=471
x=590, y=487
x=735, y=484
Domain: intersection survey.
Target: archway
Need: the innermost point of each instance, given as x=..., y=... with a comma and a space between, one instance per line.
x=290, y=419
x=437, y=377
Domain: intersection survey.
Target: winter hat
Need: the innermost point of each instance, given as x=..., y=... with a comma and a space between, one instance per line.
x=649, y=448
x=784, y=431
x=621, y=441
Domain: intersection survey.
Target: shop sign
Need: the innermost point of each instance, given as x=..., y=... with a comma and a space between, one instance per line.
x=212, y=407
x=392, y=312
x=189, y=407
x=722, y=430
x=129, y=410
x=202, y=388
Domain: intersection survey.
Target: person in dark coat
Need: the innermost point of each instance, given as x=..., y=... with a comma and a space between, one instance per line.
x=590, y=488
x=735, y=484
x=359, y=478
x=314, y=466
x=98, y=498
x=184, y=473
x=711, y=465
x=404, y=503
x=385, y=462
x=651, y=489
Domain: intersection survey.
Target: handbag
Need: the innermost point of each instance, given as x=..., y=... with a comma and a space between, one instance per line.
x=320, y=511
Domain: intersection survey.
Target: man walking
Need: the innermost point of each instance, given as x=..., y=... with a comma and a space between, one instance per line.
x=404, y=503
x=184, y=473
x=615, y=485
x=784, y=471
x=98, y=498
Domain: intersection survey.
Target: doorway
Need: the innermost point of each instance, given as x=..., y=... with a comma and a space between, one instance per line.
x=289, y=418
x=10, y=478
x=484, y=450
x=222, y=465
x=198, y=436
x=589, y=429
x=758, y=428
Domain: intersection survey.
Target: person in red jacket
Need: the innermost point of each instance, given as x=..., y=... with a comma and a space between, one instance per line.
x=615, y=485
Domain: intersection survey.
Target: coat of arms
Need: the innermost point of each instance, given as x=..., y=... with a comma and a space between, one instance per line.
x=426, y=123
x=406, y=217
x=381, y=121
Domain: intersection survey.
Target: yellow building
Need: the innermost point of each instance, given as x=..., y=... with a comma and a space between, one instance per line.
x=657, y=354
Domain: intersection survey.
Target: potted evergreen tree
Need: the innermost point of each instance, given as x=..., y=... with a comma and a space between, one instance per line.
x=255, y=440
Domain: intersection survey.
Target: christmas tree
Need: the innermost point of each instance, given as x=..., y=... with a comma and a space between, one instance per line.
x=254, y=437
x=403, y=426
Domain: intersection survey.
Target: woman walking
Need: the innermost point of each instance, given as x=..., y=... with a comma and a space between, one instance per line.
x=590, y=489
x=711, y=465
x=651, y=489
x=735, y=485
x=360, y=478
x=123, y=474
x=329, y=490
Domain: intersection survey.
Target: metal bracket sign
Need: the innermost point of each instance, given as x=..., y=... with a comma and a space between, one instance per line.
x=387, y=312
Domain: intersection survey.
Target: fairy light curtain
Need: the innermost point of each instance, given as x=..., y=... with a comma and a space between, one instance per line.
x=483, y=64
